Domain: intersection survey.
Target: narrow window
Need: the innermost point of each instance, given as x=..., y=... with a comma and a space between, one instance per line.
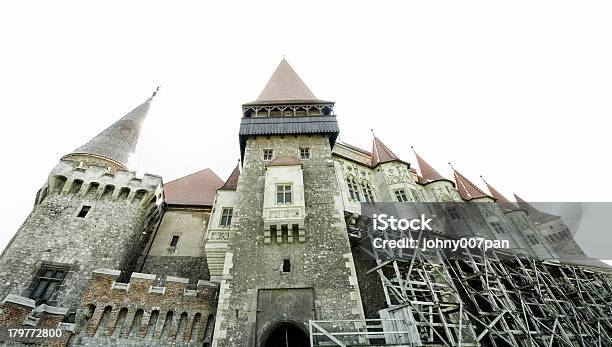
x=283, y=194
x=174, y=241
x=286, y=265
x=304, y=153
x=226, y=216
x=401, y=196
x=353, y=189
x=268, y=154
x=453, y=213
x=368, y=194
x=47, y=282
x=83, y=211
x=498, y=228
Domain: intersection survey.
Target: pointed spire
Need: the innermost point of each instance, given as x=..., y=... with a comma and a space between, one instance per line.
x=428, y=173
x=232, y=180
x=501, y=200
x=467, y=189
x=285, y=86
x=381, y=153
x=536, y=214
x=113, y=146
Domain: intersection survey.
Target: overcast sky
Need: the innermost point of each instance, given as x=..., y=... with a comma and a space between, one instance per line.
x=516, y=91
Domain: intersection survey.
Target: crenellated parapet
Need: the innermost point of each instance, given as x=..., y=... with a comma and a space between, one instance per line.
x=146, y=307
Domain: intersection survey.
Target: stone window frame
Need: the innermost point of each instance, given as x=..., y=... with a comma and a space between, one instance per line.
x=227, y=216
x=284, y=193
x=35, y=275
x=498, y=227
x=368, y=191
x=91, y=205
x=354, y=189
x=400, y=195
x=304, y=153
x=267, y=154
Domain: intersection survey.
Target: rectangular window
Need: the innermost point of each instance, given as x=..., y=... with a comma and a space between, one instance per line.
x=304, y=153
x=452, y=212
x=174, y=241
x=498, y=228
x=286, y=265
x=47, y=282
x=226, y=216
x=368, y=194
x=283, y=194
x=268, y=154
x=401, y=196
x=83, y=211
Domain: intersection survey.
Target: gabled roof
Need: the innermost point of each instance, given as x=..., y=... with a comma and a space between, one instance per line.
x=232, y=180
x=284, y=161
x=197, y=189
x=285, y=86
x=468, y=190
x=118, y=141
x=381, y=153
x=427, y=173
x=501, y=200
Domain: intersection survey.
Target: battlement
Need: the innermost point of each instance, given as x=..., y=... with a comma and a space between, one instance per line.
x=96, y=182
x=106, y=279
x=145, y=307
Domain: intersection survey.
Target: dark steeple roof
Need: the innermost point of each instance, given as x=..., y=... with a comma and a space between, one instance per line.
x=468, y=190
x=537, y=215
x=285, y=86
x=117, y=142
x=232, y=180
x=381, y=153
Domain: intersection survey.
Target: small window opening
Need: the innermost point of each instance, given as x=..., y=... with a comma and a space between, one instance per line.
x=286, y=265
x=268, y=154
x=304, y=153
x=83, y=212
x=174, y=241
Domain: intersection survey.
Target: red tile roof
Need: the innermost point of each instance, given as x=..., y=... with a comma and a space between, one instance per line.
x=197, y=189
x=468, y=190
x=504, y=203
x=232, y=180
x=428, y=173
x=381, y=153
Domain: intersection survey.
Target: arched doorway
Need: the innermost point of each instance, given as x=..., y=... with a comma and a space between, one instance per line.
x=286, y=335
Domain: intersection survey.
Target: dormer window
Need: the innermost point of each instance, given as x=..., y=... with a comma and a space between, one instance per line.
x=283, y=194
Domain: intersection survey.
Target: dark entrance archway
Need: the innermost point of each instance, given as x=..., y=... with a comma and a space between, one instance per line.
x=286, y=335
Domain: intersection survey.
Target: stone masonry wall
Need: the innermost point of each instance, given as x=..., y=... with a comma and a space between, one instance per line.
x=323, y=262
x=111, y=234
x=148, y=310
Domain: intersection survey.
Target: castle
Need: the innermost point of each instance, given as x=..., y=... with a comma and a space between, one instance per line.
x=279, y=254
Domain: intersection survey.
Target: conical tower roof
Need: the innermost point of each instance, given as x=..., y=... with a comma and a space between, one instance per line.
x=285, y=86
x=428, y=173
x=467, y=189
x=381, y=153
x=501, y=200
x=536, y=214
x=232, y=180
x=116, y=143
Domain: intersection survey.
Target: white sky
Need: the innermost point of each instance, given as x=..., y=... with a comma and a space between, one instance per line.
x=516, y=91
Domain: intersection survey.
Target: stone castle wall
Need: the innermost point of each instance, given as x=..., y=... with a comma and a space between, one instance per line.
x=111, y=235
x=322, y=269
x=147, y=310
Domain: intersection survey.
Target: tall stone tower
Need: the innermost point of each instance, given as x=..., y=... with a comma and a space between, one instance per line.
x=90, y=213
x=288, y=258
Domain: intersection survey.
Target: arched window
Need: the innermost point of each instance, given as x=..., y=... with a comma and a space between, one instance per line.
x=368, y=192
x=353, y=189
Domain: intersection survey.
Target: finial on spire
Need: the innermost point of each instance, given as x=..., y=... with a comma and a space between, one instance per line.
x=451, y=165
x=483, y=179
x=155, y=92
x=284, y=57
x=412, y=147
x=372, y=130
